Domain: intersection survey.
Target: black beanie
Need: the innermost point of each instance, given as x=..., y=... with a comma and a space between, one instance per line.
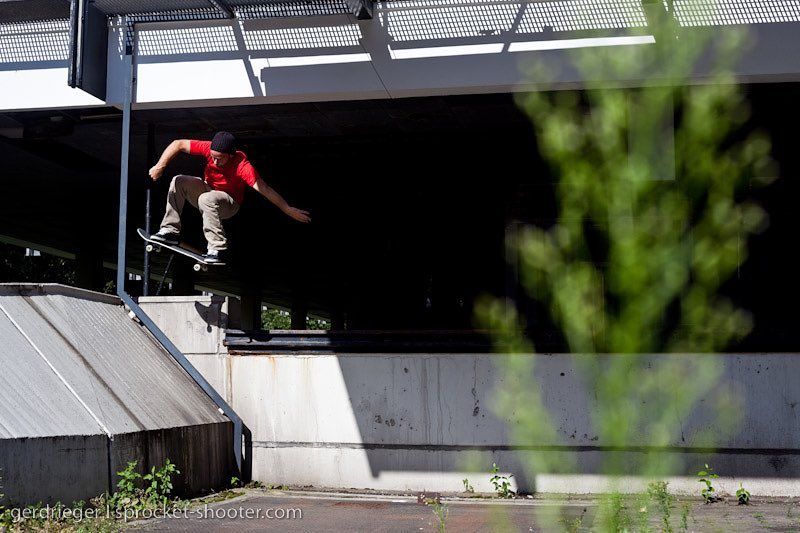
x=224, y=142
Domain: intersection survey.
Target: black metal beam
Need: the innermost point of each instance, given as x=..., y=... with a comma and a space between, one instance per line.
x=74, y=42
x=88, y=36
x=417, y=341
x=362, y=9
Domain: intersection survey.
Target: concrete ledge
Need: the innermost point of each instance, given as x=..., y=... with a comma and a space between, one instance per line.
x=195, y=324
x=27, y=289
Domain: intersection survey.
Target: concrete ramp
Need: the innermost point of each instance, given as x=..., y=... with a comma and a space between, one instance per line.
x=84, y=389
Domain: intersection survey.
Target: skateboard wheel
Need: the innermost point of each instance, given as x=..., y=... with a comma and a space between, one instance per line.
x=149, y=248
x=197, y=267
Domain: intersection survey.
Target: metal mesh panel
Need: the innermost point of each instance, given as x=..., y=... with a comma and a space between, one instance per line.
x=34, y=41
x=173, y=16
x=178, y=16
x=583, y=15
x=187, y=41
x=732, y=12
x=248, y=10
x=31, y=10
x=302, y=38
x=244, y=9
x=442, y=19
x=410, y=23
x=121, y=7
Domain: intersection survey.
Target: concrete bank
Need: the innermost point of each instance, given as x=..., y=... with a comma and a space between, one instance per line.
x=84, y=390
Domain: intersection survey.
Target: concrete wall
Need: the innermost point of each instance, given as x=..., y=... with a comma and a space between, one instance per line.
x=421, y=421
x=75, y=467
x=424, y=421
x=53, y=469
x=197, y=328
x=202, y=453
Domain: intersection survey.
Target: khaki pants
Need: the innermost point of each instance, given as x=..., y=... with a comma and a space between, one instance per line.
x=215, y=206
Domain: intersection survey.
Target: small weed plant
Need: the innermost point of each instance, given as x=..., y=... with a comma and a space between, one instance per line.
x=658, y=493
x=685, y=510
x=614, y=514
x=467, y=486
x=441, y=512
x=137, y=496
x=707, y=476
x=502, y=484
x=743, y=495
x=572, y=524
x=154, y=494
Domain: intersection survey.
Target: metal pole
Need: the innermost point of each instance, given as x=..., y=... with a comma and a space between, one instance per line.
x=151, y=149
x=123, y=171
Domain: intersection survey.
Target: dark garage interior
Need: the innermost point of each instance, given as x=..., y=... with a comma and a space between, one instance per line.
x=410, y=201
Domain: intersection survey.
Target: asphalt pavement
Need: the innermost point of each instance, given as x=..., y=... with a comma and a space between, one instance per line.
x=304, y=511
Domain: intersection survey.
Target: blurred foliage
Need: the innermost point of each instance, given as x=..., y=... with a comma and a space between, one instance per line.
x=644, y=238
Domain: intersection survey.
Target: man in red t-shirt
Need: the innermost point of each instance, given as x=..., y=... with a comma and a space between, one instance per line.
x=218, y=195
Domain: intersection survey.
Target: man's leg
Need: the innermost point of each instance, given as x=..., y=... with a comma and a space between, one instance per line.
x=216, y=206
x=181, y=189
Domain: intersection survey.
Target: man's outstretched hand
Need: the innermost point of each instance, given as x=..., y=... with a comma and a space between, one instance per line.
x=299, y=215
x=156, y=171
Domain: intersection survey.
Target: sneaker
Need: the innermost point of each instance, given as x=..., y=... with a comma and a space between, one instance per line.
x=166, y=236
x=213, y=256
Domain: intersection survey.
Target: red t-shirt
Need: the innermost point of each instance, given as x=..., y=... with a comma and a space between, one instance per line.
x=232, y=178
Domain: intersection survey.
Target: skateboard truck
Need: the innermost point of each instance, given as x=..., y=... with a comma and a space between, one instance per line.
x=197, y=267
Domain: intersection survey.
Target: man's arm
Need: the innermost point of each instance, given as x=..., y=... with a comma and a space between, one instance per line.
x=176, y=146
x=272, y=195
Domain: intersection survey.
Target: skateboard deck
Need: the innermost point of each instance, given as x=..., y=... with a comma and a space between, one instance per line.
x=156, y=246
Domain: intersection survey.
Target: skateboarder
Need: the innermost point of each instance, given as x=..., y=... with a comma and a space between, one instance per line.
x=218, y=195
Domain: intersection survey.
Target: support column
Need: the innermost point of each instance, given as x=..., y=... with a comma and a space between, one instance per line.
x=89, y=268
x=251, y=305
x=183, y=277
x=299, y=310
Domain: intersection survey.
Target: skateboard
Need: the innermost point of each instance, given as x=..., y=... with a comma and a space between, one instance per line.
x=183, y=249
